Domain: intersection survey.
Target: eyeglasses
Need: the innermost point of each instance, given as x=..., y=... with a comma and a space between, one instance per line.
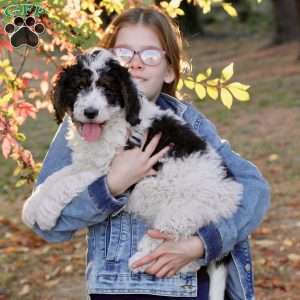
x=150, y=57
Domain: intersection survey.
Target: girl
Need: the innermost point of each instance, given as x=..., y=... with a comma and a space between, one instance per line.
x=149, y=44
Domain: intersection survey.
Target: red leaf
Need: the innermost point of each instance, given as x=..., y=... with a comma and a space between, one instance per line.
x=26, y=109
x=25, y=82
x=4, y=44
x=6, y=147
x=46, y=75
x=36, y=74
x=27, y=157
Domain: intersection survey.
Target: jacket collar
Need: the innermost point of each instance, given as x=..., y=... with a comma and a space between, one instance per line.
x=166, y=101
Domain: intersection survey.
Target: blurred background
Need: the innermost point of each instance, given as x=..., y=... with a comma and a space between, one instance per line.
x=263, y=41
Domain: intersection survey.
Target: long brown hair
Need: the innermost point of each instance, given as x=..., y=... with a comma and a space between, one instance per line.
x=166, y=29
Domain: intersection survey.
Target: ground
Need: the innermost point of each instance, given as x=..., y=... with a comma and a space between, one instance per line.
x=264, y=130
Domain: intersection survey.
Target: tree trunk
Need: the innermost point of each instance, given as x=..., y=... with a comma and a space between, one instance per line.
x=287, y=20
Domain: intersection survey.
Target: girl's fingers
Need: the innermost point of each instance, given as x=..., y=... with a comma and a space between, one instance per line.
x=147, y=259
x=171, y=273
x=152, y=145
x=155, y=158
x=164, y=271
x=159, y=266
x=144, y=139
x=156, y=234
x=151, y=172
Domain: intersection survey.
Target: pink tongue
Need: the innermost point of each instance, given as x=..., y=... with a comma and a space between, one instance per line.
x=91, y=132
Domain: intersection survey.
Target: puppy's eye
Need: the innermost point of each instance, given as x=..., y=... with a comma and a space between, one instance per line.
x=82, y=84
x=109, y=92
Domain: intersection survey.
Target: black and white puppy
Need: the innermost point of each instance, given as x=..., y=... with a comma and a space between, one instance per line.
x=192, y=187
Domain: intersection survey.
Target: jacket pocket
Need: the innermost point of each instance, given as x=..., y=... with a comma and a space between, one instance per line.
x=112, y=238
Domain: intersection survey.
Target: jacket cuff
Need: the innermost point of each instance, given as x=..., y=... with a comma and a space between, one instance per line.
x=100, y=194
x=212, y=242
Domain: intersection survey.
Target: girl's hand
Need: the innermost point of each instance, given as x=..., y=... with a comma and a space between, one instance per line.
x=130, y=166
x=170, y=256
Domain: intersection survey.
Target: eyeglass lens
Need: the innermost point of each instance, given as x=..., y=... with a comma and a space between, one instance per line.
x=150, y=57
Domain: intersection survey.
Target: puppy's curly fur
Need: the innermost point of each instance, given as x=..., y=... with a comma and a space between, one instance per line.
x=192, y=187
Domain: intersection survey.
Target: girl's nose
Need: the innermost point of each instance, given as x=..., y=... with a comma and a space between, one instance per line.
x=136, y=62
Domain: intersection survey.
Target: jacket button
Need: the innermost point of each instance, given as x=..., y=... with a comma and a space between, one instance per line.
x=248, y=267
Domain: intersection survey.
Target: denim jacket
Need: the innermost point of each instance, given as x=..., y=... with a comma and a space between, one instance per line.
x=113, y=234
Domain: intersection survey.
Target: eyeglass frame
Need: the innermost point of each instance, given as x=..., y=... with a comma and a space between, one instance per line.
x=135, y=52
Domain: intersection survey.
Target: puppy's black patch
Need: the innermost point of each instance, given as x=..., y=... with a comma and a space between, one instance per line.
x=184, y=140
x=121, y=90
x=70, y=82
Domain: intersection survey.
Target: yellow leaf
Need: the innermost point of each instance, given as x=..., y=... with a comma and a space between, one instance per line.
x=212, y=92
x=294, y=257
x=239, y=85
x=179, y=85
x=208, y=72
x=5, y=99
x=226, y=98
x=200, y=77
x=200, y=91
x=179, y=12
x=164, y=4
x=288, y=243
x=205, y=5
x=175, y=3
x=213, y=82
x=273, y=157
x=227, y=72
x=239, y=94
x=189, y=83
x=230, y=9
x=20, y=183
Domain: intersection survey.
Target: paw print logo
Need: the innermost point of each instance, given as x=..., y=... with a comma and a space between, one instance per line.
x=24, y=32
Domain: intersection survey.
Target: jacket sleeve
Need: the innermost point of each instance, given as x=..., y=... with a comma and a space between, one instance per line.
x=90, y=207
x=220, y=238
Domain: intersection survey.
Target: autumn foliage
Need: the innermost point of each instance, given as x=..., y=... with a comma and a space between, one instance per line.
x=72, y=27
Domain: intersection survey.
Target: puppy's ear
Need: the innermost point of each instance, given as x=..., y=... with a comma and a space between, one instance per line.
x=132, y=104
x=65, y=90
x=58, y=102
x=66, y=87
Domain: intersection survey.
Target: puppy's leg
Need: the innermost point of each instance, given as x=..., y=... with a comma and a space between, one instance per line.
x=217, y=281
x=47, y=201
x=145, y=246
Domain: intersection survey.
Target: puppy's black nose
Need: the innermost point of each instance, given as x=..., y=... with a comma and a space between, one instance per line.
x=91, y=112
